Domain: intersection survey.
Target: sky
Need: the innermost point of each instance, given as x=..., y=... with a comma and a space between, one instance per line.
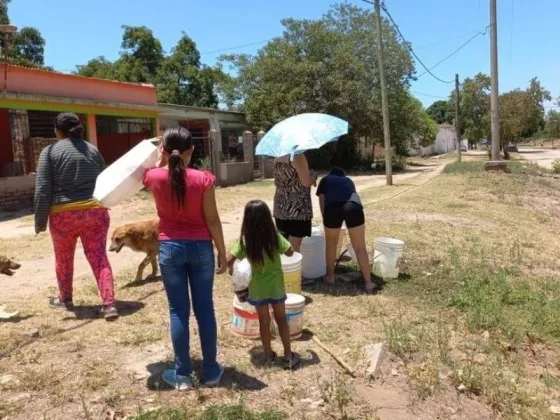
x=76, y=31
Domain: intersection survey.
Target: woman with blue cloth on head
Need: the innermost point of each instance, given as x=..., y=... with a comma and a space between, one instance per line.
x=340, y=203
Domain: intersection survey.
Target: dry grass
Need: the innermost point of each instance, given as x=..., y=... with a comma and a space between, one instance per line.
x=475, y=309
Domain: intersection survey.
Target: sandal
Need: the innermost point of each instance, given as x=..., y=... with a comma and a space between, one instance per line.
x=272, y=360
x=293, y=363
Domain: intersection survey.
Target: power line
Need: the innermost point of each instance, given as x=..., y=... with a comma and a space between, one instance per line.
x=429, y=95
x=410, y=47
x=236, y=47
x=423, y=47
x=456, y=51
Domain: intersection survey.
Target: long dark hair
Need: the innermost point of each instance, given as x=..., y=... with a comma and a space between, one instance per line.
x=175, y=141
x=69, y=125
x=259, y=236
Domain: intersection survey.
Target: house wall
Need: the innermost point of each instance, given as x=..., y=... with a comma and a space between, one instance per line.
x=6, y=150
x=17, y=192
x=30, y=81
x=113, y=146
x=235, y=173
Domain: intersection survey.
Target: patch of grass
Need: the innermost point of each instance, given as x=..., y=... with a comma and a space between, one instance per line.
x=464, y=167
x=495, y=300
x=213, y=412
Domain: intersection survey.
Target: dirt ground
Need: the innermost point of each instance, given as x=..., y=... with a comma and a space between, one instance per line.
x=454, y=352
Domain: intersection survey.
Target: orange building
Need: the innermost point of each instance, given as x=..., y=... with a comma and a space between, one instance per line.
x=116, y=117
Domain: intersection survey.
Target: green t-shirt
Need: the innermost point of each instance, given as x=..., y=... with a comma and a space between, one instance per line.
x=267, y=280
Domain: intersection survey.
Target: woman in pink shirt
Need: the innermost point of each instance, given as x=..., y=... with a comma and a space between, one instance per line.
x=188, y=222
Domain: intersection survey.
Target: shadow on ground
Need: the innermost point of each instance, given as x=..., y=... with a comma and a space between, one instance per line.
x=232, y=378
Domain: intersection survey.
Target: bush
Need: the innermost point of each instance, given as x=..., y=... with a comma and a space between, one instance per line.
x=556, y=166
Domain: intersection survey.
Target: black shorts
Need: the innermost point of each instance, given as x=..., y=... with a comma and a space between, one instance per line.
x=343, y=211
x=295, y=228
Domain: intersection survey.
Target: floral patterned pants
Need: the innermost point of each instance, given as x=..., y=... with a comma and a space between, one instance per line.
x=91, y=226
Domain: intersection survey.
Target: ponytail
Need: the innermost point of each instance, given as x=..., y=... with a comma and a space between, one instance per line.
x=176, y=141
x=177, y=177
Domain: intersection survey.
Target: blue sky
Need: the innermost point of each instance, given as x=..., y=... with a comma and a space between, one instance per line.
x=77, y=31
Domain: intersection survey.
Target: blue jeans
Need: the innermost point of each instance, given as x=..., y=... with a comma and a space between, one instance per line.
x=187, y=264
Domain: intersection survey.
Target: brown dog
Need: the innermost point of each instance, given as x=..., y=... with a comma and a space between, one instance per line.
x=140, y=237
x=7, y=265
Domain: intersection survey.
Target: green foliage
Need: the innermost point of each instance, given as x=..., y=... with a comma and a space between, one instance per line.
x=516, y=109
x=214, y=412
x=329, y=65
x=28, y=46
x=442, y=112
x=556, y=166
x=552, y=124
x=475, y=107
x=464, y=167
x=179, y=77
x=495, y=300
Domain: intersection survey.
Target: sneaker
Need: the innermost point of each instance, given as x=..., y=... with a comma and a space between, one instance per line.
x=55, y=302
x=109, y=313
x=179, y=382
x=216, y=381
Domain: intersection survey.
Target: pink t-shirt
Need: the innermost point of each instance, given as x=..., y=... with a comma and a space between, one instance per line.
x=176, y=222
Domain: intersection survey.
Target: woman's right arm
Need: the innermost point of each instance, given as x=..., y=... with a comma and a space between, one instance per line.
x=214, y=224
x=43, y=191
x=302, y=168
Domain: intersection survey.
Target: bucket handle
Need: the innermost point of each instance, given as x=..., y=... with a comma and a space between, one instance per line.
x=346, y=250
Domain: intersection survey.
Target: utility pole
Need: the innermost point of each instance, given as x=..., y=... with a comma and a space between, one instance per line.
x=384, y=102
x=457, y=116
x=494, y=98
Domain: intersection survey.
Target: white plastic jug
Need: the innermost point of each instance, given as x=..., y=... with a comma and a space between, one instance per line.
x=241, y=276
x=122, y=179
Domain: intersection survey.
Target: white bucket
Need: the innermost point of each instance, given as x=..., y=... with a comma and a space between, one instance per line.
x=388, y=251
x=342, y=239
x=245, y=321
x=314, y=263
x=291, y=267
x=316, y=231
x=295, y=305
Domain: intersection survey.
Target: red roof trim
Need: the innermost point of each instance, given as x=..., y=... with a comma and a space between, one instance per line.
x=76, y=76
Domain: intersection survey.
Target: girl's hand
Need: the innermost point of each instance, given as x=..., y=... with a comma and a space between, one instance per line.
x=222, y=264
x=230, y=259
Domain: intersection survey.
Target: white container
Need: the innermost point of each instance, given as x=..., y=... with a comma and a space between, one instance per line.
x=387, y=253
x=295, y=305
x=122, y=179
x=342, y=239
x=241, y=276
x=291, y=268
x=314, y=264
x=245, y=321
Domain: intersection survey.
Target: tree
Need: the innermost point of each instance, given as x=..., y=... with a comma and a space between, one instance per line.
x=516, y=114
x=441, y=112
x=538, y=95
x=98, y=67
x=180, y=78
x=327, y=65
x=28, y=47
x=552, y=126
x=4, y=18
x=475, y=107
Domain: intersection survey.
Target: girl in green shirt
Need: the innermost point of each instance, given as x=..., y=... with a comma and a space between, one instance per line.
x=262, y=245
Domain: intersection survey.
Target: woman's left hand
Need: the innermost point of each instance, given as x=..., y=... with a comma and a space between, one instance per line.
x=222, y=264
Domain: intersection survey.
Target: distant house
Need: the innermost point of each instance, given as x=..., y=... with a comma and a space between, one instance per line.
x=445, y=142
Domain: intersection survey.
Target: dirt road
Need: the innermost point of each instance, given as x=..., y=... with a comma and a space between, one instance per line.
x=37, y=274
x=542, y=157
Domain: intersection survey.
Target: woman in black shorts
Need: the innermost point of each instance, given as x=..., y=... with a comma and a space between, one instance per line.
x=340, y=203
